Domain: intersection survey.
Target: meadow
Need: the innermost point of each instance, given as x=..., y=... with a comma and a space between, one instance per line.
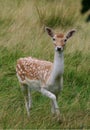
x=22, y=34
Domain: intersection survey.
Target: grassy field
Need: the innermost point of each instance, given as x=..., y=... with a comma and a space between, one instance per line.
x=22, y=34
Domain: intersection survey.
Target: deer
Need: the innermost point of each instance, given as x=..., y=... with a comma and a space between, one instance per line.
x=44, y=76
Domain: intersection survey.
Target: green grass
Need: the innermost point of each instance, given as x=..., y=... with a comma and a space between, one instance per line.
x=22, y=34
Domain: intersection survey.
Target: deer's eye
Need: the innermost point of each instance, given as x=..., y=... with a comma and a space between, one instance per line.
x=65, y=40
x=54, y=39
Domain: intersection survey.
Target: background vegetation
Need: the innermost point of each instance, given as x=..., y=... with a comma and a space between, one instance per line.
x=22, y=34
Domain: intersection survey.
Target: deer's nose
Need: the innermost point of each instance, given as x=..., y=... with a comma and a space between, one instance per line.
x=58, y=48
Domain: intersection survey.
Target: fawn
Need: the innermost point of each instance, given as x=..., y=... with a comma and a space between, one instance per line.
x=44, y=76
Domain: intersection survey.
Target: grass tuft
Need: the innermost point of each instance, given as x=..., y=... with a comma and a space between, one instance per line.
x=56, y=14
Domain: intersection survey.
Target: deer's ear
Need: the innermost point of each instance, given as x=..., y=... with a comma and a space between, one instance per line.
x=70, y=33
x=49, y=31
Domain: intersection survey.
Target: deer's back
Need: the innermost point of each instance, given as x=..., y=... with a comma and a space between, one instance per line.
x=33, y=69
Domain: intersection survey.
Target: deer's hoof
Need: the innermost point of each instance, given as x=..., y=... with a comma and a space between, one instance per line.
x=59, y=119
x=58, y=116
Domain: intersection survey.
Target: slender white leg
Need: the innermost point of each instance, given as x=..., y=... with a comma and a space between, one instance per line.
x=29, y=99
x=26, y=97
x=53, y=98
x=52, y=108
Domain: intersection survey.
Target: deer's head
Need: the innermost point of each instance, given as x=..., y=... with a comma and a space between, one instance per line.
x=59, y=39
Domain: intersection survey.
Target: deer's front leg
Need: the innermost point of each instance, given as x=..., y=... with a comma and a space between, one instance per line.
x=52, y=108
x=53, y=98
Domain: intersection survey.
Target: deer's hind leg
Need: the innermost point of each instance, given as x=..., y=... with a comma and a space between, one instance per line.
x=27, y=96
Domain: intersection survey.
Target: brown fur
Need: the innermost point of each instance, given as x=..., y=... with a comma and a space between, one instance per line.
x=33, y=69
x=60, y=35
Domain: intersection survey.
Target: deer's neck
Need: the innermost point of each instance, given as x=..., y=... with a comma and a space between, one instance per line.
x=58, y=66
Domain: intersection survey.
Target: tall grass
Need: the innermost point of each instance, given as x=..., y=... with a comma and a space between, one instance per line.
x=57, y=13
x=22, y=34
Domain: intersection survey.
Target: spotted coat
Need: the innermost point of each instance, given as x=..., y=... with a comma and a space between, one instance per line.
x=33, y=69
